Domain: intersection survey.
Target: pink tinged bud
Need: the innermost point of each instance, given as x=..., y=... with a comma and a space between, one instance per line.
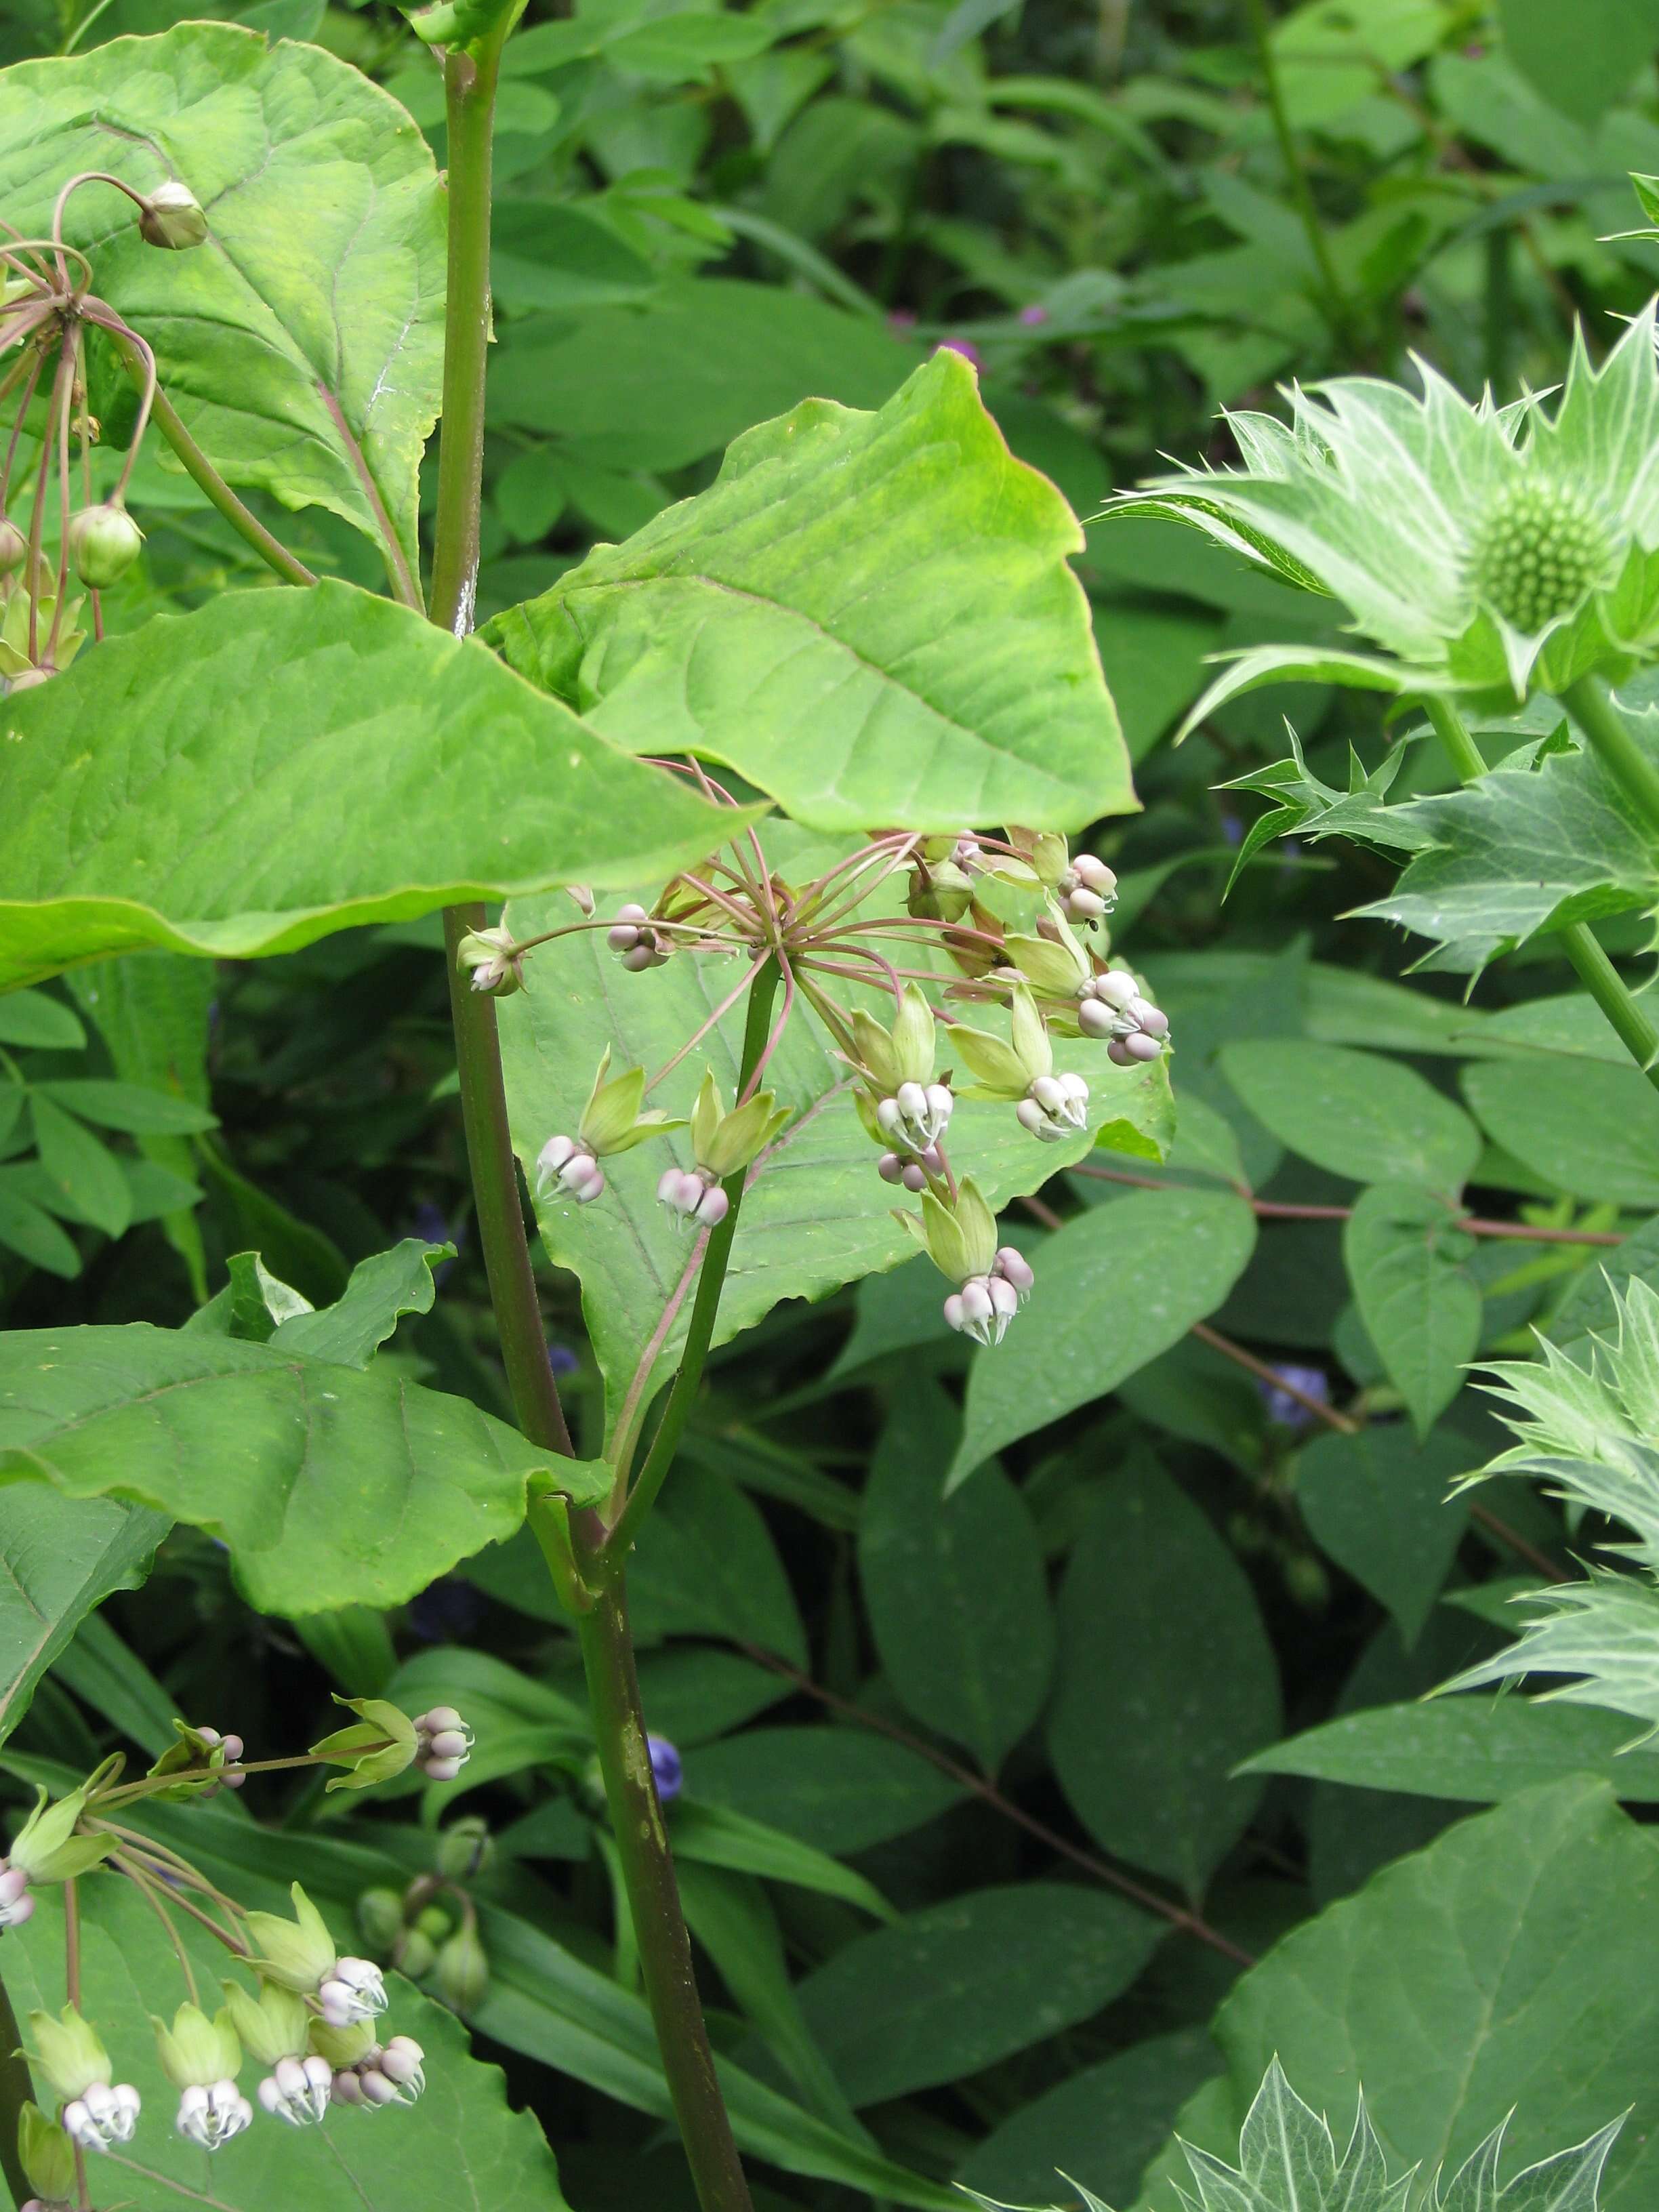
x=642, y=957
x=712, y=1207
x=1014, y=1268
x=13, y=1882
x=1119, y=1052
x=102, y=2116
x=554, y=1154
x=914, y=1176
x=441, y=1716
x=1116, y=989
x=976, y=1301
x=1152, y=1020
x=1084, y=905
x=402, y=2062
x=889, y=1116
x=210, y=2117
x=1005, y=1300
x=16, y=1915
x=622, y=937
x=953, y=1313
x=442, y=1770
x=890, y=1168
x=1094, y=873
x=451, y=1743
x=346, y=2088
x=1049, y=1093
x=1095, y=1019
x=377, y=2089
x=912, y=1100
x=633, y=912
x=1032, y=1117
x=1142, y=1048
x=941, y=1103
x=172, y=216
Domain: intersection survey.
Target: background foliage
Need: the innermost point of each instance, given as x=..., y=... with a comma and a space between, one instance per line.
x=1016, y=1827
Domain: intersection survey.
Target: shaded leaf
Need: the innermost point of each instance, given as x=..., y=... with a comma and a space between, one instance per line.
x=1377, y=1504
x=1480, y=1749
x=59, y=1557
x=1404, y=1254
x=1354, y=1114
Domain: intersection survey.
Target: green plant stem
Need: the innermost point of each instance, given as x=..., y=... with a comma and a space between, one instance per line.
x=647, y=1872
x=1336, y=300
x=15, y=2091
x=469, y=109
x=711, y=1280
x=1590, y=705
x=206, y=479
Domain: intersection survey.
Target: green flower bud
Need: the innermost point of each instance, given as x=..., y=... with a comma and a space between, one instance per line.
x=463, y=1972
x=343, y=2046
x=69, y=2052
x=723, y=1143
x=435, y=1924
x=961, y=1240
x=903, y=1053
x=297, y=1953
x=198, y=1754
x=377, y=1745
x=273, y=2025
x=491, y=958
x=380, y=1916
x=464, y=1849
x=172, y=216
x=1056, y=967
x=415, y=1954
x=196, y=2052
x=14, y=546
x=611, y=1121
x=47, y=2154
x=1006, y=1071
x=103, y=544
x=46, y=1847
x=945, y=894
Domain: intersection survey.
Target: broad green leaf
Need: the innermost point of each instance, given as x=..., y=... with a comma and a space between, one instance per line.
x=1459, y=1987
x=1480, y=1749
x=30, y=1231
x=658, y=385
x=1113, y=1288
x=252, y=1306
x=816, y=1215
x=110, y=1678
x=1404, y=1254
x=714, y=1835
x=1581, y=61
x=1588, y=1309
x=329, y=1487
x=694, y=1692
x=303, y=342
x=1377, y=1504
x=1582, y=1127
x=842, y=1788
x=1166, y=1680
x=461, y=2143
x=870, y=616
x=1103, y=2121
x=1545, y=839
x=375, y=769
x=1354, y=1114
x=959, y=1985
x=59, y=1557
x=893, y=1315
x=31, y=1018
x=954, y=1590
x=126, y=1106
x=704, y=1564
x=85, y=1180
x=382, y=1290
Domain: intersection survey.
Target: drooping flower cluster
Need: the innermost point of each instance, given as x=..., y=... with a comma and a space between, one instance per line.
x=1013, y=921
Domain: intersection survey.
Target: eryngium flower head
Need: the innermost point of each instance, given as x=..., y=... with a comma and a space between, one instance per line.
x=1487, y=551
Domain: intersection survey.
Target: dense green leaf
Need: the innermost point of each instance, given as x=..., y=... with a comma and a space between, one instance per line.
x=1589, y=1308
x=1459, y=1986
x=959, y=1985
x=382, y=1290
x=954, y=1589
x=1354, y=1114
x=1166, y=1680
x=375, y=769
x=714, y=1835
x=1113, y=1288
x=871, y=617
x=59, y=1557
x=1404, y=1254
x=31, y=1018
x=461, y=2143
x=1583, y=62
x=816, y=1215
x=1591, y=1130
x=704, y=1564
x=126, y=1106
x=1482, y=1750
x=842, y=1788
x=84, y=1179
x=1377, y=1504
x=301, y=344
x=329, y=1488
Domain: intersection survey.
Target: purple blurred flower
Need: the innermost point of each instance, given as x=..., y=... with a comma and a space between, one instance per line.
x=901, y=321
x=562, y=1359
x=1312, y=1381
x=667, y=1766
x=965, y=347
x=1036, y=313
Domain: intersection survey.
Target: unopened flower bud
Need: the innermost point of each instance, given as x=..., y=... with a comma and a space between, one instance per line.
x=16, y=1905
x=296, y=2090
x=380, y=1916
x=102, y=2116
x=45, y=2153
x=1126, y=1052
x=414, y=1954
x=623, y=934
x=562, y=1167
x=667, y=1768
x=172, y=216
x=103, y=544
x=197, y=2052
x=982, y=1309
x=491, y=957
x=582, y=898
x=14, y=546
x=443, y=1743
x=462, y=1974
x=402, y=2062
x=464, y=1849
x=1055, y=1107
x=1014, y=1268
x=354, y=1992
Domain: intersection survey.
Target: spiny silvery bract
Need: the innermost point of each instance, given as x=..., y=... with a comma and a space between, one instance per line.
x=1586, y=1427
x=1487, y=551
x=1288, y=2162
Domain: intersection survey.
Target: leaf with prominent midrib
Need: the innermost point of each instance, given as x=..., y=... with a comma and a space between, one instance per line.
x=817, y=1214
x=329, y=1487
x=59, y=1557
x=303, y=342
x=368, y=768
x=870, y=616
x=1402, y=1248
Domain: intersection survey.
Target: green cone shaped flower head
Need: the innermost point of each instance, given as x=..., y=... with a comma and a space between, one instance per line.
x=1488, y=551
x=297, y=1953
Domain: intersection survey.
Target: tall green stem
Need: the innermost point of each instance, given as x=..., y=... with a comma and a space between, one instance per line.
x=1595, y=970
x=607, y=1650
x=1336, y=299
x=711, y=1280
x=653, y=1898
x=1592, y=708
